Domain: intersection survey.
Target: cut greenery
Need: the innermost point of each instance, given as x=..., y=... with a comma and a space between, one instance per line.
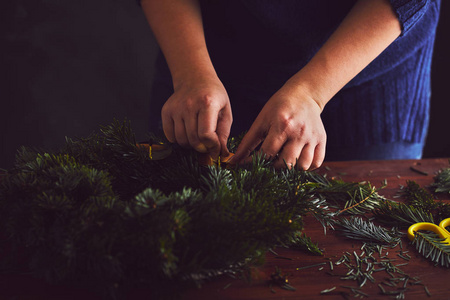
x=108, y=213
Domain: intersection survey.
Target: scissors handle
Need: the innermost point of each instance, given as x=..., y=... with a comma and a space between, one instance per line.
x=445, y=223
x=443, y=233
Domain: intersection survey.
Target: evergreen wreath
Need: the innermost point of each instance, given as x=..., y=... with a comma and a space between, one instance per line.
x=106, y=212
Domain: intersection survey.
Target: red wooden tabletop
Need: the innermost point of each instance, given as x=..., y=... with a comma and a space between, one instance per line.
x=307, y=282
x=310, y=282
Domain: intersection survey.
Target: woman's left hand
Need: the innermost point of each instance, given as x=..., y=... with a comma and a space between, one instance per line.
x=290, y=130
x=289, y=125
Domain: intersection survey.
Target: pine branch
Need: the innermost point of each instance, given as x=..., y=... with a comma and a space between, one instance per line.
x=233, y=142
x=442, y=181
x=432, y=247
x=354, y=207
x=401, y=214
x=351, y=198
x=418, y=196
x=309, y=185
x=359, y=229
x=302, y=242
x=421, y=199
x=442, y=211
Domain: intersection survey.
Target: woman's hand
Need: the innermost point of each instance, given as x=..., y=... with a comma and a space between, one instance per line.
x=289, y=124
x=198, y=115
x=291, y=132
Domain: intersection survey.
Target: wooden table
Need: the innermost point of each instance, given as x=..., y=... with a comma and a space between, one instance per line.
x=311, y=281
x=308, y=282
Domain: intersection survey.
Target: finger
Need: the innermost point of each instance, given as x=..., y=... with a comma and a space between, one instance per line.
x=207, y=126
x=192, y=134
x=249, y=142
x=180, y=133
x=223, y=129
x=168, y=127
x=306, y=157
x=288, y=155
x=273, y=144
x=319, y=156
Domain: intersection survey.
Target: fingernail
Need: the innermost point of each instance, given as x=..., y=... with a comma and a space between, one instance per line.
x=201, y=148
x=227, y=159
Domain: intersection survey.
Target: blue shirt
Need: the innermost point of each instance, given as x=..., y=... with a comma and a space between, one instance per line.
x=257, y=45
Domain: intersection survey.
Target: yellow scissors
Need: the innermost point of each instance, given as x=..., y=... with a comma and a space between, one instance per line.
x=443, y=233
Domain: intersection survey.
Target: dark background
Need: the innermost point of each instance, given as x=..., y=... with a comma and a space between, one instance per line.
x=68, y=67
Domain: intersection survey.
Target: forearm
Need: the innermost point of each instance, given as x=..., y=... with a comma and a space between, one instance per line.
x=369, y=28
x=177, y=26
x=198, y=113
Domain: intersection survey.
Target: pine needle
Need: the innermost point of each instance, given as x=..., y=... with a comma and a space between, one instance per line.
x=431, y=246
x=359, y=229
x=401, y=214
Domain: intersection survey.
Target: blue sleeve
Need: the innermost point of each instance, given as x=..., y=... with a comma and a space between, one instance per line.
x=409, y=12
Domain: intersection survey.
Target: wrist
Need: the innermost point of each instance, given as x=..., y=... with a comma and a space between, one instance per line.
x=301, y=89
x=192, y=76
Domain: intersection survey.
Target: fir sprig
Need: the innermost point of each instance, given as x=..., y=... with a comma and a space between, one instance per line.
x=442, y=182
x=418, y=196
x=401, y=214
x=347, y=197
x=301, y=241
x=360, y=229
x=431, y=246
x=421, y=198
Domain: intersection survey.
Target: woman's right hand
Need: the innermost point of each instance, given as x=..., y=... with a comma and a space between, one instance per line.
x=198, y=115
